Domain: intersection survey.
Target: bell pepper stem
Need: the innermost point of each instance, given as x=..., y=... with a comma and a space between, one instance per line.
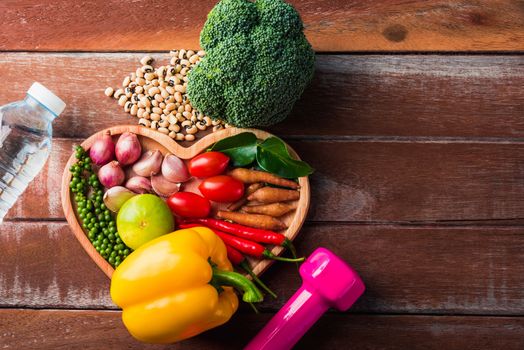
x=272, y=256
x=245, y=266
x=251, y=294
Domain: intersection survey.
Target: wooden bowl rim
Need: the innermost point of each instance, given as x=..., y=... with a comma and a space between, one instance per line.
x=184, y=153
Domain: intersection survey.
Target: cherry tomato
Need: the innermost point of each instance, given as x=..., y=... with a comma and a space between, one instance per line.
x=222, y=188
x=189, y=205
x=208, y=164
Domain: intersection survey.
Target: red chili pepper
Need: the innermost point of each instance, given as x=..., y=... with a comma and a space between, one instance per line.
x=238, y=259
x=253, y=234
x=245, y=246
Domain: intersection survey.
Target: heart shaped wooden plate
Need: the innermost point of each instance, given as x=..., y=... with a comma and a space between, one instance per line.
x=151, y=139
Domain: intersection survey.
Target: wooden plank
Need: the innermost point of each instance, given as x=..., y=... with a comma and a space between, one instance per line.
x=330, y=25
x=420, y=96
x=437, y=270
x=370, y=181
x=54, y=329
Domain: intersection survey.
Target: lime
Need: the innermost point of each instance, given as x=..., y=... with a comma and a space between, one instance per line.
x=143, y=218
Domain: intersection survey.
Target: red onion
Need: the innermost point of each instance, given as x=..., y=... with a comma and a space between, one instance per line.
x=128, y=148
x=103, y=149
x=174, y=169
x=139, y=184
x=111, y=175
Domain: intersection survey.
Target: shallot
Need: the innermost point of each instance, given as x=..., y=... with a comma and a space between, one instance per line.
x=116, y=196
x=139, y=184
x=149, y=164
x=128, y=148
x=163, y=187
x=174, y=169
x=111, y=174
x=103, y=149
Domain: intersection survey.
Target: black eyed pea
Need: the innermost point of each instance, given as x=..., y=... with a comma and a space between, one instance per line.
x=189, y=53
x=194, y=59
x=154, y=125
x=154, y=103
x=159, y=98
x=146, y=60
x=201, y=125
x=187, y=115
x=180, y=117
x=127, y=106
x=128, y=94
x=122, y=100
x=208, y=121
x=155, y=116
x=170, y=99
x=187, y=123
x=149, y=76
x=182, y=54
x=193, y=118
x=163, y=84
x=192, y=129
x=140, y=112
x=109, y=91
x=139, y=73
x=157, y=110
x=144, y=122
x=145, y=101
x=180, y=137
x=188, y=108
x=201, y=53
x=133, y=76
x=174, y=61
x=181, y=108
x=133, y=110
x=174, y=127
x=184, y=71
x=170, y=90
x=161, y=71
x=178, y=97
x=146, y=68
x=164, y=94
x=118, y=93
x=139, y=89
x=184, y=63
x=172, y=134
x=163, y=116
x=189, y=137
x=170, y=106
x=172, y=71
x=164, y=123
x=163, y=130
x=173, y=53
x=178, y=68
x=146, y=115
x=155, y=82
x=216, y=122
x=162, y=105
x=217, y=127
x=226, y=125
x=126, y=81
x=153, y=91
x=141, y=81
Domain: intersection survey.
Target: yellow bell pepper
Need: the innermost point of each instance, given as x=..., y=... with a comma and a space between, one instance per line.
x=177, y=286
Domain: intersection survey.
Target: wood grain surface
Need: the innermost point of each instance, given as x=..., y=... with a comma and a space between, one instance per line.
x=369, y=181
x=442, y=25
x=350, y=96
x=61, y=330
x=407, y=269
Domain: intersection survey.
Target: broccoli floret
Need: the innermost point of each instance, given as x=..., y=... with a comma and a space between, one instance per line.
x=257, y=64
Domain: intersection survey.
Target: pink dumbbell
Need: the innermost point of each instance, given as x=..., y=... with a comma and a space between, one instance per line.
x=327, y=281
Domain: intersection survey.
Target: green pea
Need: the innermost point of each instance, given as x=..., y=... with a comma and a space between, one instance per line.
x=103, y=246
x=126, y=251
x=118, y=240
x=111, y=237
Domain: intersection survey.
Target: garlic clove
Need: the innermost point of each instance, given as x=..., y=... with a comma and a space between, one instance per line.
x=150, y=163
x=174, y=169
x=139, y=184
x=163, y=187
x=116, y=196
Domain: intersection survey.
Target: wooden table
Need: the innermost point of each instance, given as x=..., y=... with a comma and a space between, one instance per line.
x=414, y=122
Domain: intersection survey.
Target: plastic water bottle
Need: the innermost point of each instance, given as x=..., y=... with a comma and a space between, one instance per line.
x=25, y=141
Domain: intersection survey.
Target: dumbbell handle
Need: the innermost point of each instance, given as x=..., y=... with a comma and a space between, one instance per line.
x=292, y=321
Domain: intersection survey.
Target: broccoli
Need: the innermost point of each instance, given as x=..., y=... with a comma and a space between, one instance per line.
x=257, y=64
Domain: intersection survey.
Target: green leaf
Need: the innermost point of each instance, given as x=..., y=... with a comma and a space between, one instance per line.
x=241, y=148
x=273, y=156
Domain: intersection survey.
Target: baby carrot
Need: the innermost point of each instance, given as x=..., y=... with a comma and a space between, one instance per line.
x=251, y=176
x=273, y=195
x=265, y=222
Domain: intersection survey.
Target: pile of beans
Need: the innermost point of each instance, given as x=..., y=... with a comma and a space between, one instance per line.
x=157, y=97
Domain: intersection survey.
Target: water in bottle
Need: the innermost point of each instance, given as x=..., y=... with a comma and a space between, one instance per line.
x=25, y=141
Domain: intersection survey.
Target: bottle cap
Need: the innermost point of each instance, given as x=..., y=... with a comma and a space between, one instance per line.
x=52, y=102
